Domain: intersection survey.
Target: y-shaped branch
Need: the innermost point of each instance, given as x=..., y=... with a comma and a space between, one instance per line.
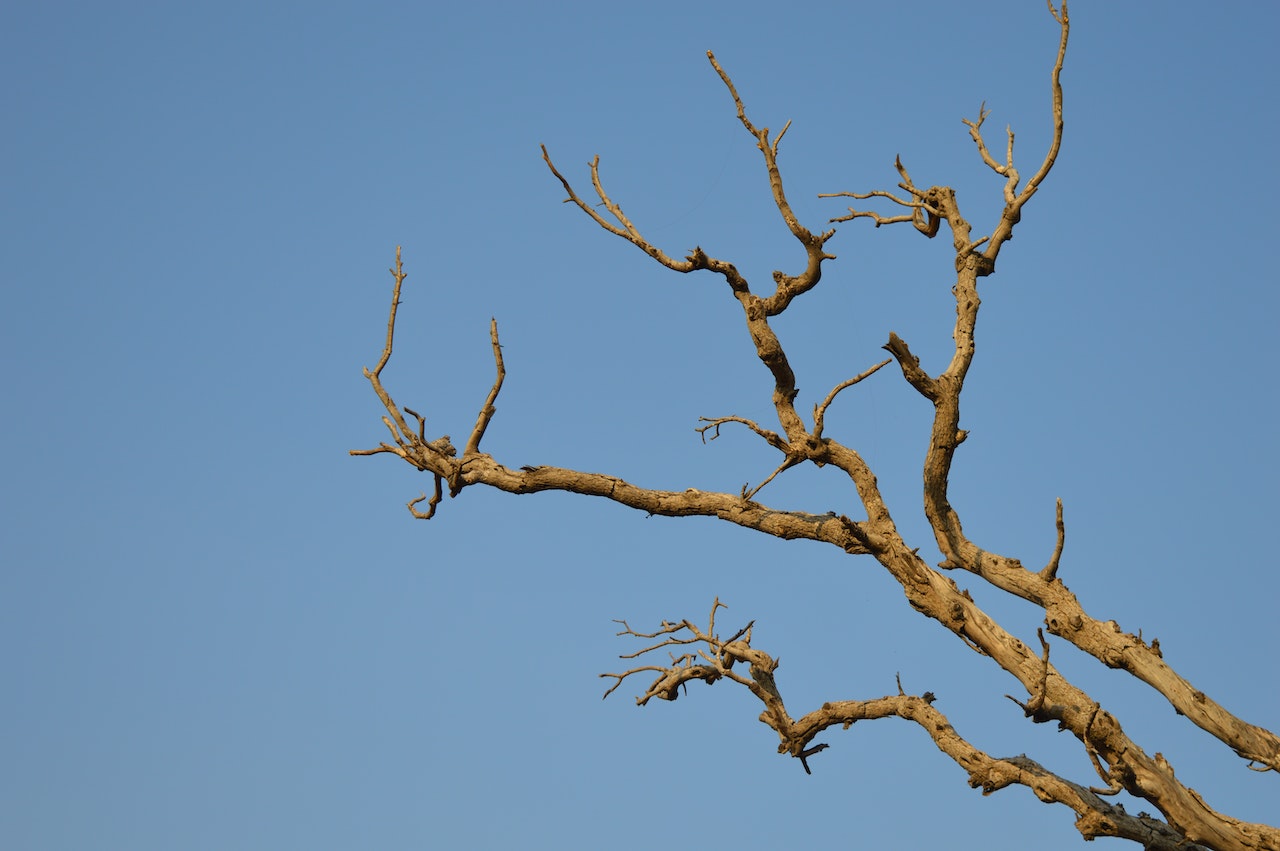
x=919, y=206
x=375, y=375
x=624, y=228
x=788, y=286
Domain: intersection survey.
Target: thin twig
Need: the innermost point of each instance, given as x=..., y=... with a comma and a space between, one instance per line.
x=436, y=496
x=787, y=464
x=771, y=437
x=1050, y=570
x=487, y=410
x=820, y=411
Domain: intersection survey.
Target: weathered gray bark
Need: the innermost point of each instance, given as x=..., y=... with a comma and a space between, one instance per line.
x=1185, y=821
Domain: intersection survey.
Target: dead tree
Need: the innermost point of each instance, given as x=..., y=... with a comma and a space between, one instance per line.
x=698, y=652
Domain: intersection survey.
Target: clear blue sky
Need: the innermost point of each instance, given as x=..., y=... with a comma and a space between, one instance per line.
x=221, y=632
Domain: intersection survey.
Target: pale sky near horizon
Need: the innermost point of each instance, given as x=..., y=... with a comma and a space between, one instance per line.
x=219, y=631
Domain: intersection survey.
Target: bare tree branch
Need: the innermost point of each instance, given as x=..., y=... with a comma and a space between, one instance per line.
x=696, y=654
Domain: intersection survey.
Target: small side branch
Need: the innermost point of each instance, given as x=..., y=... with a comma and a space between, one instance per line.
x=697, y=259
x=487, y=410
x=1059, y=15
x=772, y=438
x=624, y=227
x=375, y=375
x=789, y=462
x=1035, y=708
x=910, y=366
x=923, y=216
x=713, y=661
x=436, y=456
x=1005, y=169
x=399, y=274
x=820, y=410
x=436, y=496
x=701, y=665
x=1050, y=571
x=713, y=425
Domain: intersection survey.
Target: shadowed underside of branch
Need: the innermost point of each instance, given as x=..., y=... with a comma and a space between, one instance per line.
x=1185, y=820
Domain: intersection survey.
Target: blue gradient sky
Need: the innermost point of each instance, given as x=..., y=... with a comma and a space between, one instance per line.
x=219, y=631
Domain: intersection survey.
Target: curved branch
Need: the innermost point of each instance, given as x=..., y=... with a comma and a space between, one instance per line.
x=1120, y=762
x=713, y=425
x=820, y=410
x=1051, y=569
x=1012, y=213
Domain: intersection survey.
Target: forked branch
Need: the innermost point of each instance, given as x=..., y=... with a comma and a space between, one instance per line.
x=474, y=467
x=705, y=656
x=701, y=654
